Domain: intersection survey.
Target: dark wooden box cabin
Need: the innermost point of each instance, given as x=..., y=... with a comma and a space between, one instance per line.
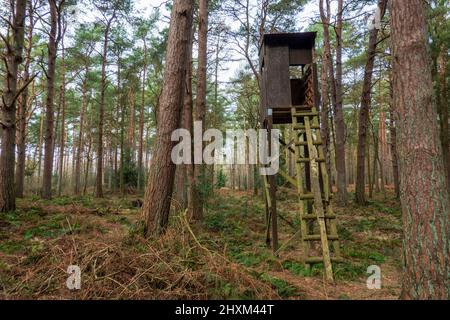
x=286, y=62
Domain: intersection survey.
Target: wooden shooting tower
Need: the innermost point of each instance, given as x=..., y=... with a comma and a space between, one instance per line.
x=289, y=97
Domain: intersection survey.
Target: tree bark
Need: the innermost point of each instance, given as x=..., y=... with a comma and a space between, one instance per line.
x=341, y=196
x=326, y=18
x=324, y=111
x=141, y=121
x=393, y=131
x=101, y=113
x=88, y=163
x=79, y=152
x=41, y=138
x=200, y=107
x=13, y=58
x=365, y=111
x=120, y=106
x=55, y=34
x=188, y=121
x=62, y=142
x=160, y=185
x=23, y=108
x=382, y=149
x=132, y=125
x=424, y=194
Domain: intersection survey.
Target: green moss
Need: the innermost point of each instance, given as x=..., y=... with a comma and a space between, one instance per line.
x=62, y=201
x=344, y=233
x=13, y=246
x=52, y=228
x=366, y=256
x=394, y=209
x=120, y=220
x=297, y=268
x=4, y=266
x=135, y=233
x=12, y=218
x=365, y=225
x=218, y=222
x=36, y=250
x=251, y=259
x=284, y=289
x=221, y=289
x=349, y=270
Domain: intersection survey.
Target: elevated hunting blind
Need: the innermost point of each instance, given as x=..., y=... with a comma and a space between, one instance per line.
x=286, y=62
x=290, y=96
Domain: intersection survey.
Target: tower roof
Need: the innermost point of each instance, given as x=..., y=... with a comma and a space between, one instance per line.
x=303, y=40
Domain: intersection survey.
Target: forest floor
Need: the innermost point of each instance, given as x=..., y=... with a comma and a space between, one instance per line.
x=223, y=257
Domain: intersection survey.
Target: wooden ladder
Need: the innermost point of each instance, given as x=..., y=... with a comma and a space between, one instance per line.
x=314, y=196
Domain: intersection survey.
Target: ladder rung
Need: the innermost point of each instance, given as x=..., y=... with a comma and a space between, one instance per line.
x=306, y=114
x=317, y=237
x=303, y=107
x=306, y=160
x=305, y=143
x=313, y=260
x=300, y=127
x=314, y=217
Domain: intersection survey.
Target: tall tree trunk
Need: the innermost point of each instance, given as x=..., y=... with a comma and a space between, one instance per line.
x=79, y=151
x=214, y=124
x=131, y=127
x=180, y=192
x=382, y=146
x=40, y=139
x=55, y=35
x=326, y=19
x=160, y=185
x=56, y=130
x=116, y=171
x=101, y=113
x=375, y=183
x=122, y=153
x=74, y=152
x=88, y=163
x=365, y=111
x=188, y=121
x=13, y=58
x=200, y=107
x=424, y=194
x=371, y=181
x=123, y=150
x=339, y=113
x=62, y=107
x=141, y=121
x=324, y=111
x=393, y=131
x=24, y=105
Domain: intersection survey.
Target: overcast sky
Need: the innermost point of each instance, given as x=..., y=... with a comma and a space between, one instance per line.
x=231, y=68
x=228, y=69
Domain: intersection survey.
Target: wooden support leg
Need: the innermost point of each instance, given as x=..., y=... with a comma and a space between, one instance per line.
x=273, y=195
x=273, y=212
x=267, y=225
